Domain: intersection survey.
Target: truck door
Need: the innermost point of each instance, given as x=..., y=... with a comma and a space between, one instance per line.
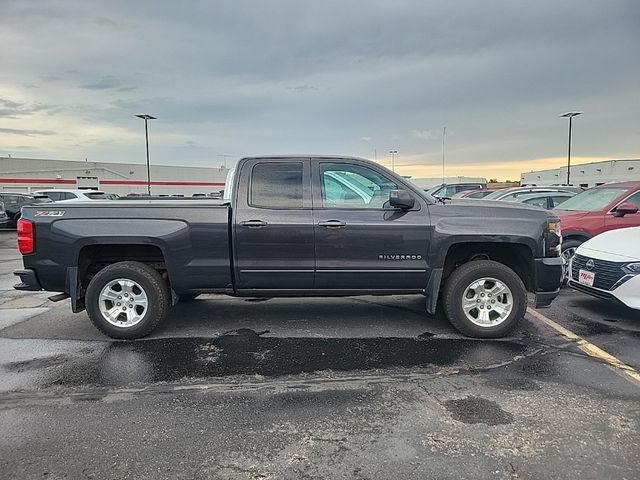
x=273, y=225
x=362, y=242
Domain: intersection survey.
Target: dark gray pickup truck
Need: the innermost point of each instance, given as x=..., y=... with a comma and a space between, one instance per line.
x=294, y=226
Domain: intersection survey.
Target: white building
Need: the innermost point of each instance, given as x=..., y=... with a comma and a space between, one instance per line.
x=586, y=175
x=30, y=174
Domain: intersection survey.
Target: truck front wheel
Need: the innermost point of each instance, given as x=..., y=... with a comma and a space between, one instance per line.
x=127, y=300
x=484, y=299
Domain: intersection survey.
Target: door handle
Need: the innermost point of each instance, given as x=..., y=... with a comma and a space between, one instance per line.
x=332, y=224
x=253, y=224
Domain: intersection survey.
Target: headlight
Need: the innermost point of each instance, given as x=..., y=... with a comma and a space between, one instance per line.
x=554, y=226
x=632, y=268
x=552, y=238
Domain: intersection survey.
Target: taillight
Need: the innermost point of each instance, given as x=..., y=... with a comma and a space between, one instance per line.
x=25, y=236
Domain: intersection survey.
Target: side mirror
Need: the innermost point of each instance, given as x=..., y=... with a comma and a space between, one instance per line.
x=625, y=208
x=401, y=199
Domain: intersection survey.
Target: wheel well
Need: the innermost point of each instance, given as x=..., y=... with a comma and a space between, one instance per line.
x=575, y=236
x=94, y=258
x=518, y=257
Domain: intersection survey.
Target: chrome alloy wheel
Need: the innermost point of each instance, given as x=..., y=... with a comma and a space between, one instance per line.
x=487, y=302
x=123, y=302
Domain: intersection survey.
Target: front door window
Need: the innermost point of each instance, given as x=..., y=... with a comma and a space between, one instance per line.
x=354, y=187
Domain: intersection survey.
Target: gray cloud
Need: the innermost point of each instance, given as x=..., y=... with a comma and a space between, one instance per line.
x=252, y=77
x=103, y=83
x=25, y=132
x=13, y=110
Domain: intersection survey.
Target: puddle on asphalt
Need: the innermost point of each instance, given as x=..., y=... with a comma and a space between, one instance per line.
x=478, y=410
x=245, y=352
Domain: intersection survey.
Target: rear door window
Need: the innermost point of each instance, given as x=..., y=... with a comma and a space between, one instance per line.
x=98, y=196
x=537, y=202
x=55, y=196
x=558, y=200
x=10, y=200
x=276, y=185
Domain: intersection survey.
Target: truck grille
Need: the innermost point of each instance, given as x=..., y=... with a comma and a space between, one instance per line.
x=607, y=273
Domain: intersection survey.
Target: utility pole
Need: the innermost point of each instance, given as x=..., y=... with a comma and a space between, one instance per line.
x=444, y=136
x=224, y=158
x=146, y=117
x=393, y=159
x=570, y=116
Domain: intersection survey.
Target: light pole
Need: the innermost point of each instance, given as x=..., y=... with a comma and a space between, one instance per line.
x=393, y=159
x=224, y=159
x=570, y=116
x=444, y=136
x=146, y=117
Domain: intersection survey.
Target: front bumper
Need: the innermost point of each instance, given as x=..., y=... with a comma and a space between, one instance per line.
x=628, y=293
x=28, y=281
x=548, y=275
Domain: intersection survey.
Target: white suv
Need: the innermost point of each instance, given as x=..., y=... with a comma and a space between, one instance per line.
x=62, y=195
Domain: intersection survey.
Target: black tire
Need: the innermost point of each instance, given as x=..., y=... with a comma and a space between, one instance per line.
x=16, y=217
x=568, y=246
x=187, y=297
x=456, y=287
x=158, y=299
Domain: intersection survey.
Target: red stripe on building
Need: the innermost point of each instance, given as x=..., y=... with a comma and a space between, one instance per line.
x=158, y=182
x=60, y=181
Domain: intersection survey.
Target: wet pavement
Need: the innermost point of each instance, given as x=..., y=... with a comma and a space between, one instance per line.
x=366, y=387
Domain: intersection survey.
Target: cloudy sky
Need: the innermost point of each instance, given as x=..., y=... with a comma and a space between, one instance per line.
x=335, y=77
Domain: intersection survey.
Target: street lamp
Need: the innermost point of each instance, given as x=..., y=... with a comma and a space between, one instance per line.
x=570, y=116
x=393, y=159
x=224, y=158
x=146, y=117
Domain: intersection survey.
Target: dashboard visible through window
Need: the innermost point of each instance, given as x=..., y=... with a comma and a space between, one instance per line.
x=354, y=186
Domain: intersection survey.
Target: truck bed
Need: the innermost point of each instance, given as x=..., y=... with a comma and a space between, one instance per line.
x=192, y=238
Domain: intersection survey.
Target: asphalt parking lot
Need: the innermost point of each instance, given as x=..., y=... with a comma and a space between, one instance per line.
x=363, y=388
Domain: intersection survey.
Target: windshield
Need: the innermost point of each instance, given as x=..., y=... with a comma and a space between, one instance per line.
x=592, y=200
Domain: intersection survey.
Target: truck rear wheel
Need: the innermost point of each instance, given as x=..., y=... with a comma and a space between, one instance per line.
x=127, y=300
x=484, y=299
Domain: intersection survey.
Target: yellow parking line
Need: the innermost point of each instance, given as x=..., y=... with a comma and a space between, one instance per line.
x=589, y=348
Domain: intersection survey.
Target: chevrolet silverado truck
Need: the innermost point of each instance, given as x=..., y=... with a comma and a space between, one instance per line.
x=294, y=226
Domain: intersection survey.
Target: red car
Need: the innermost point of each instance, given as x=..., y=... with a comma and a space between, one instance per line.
x=597, y=210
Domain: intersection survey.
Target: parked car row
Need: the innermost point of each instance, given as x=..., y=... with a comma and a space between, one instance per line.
x=12, y=203
x=60, y=195
x=597, y=210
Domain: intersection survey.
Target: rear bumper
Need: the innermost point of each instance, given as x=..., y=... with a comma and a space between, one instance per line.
x=28, y=281
x=548, y=275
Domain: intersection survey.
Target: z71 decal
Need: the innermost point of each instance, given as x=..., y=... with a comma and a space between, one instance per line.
x=49, y=213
